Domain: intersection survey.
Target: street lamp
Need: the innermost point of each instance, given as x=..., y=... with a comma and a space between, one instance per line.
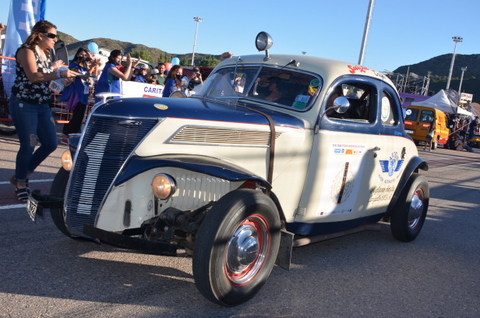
x=366, y=31
x=456, y=39
x=197, y=20
x=460, y=86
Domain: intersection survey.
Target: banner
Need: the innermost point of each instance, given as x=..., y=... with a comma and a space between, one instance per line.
x=22, y=17
x=136, y=89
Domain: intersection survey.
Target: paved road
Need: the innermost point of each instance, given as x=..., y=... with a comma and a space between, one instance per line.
x=45, y=274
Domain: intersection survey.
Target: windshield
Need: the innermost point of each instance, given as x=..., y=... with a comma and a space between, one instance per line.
x=274, y=85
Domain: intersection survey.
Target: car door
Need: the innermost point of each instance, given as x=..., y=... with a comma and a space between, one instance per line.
x=357, y=158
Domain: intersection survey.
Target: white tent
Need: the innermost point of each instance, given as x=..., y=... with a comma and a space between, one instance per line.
x=441, y=101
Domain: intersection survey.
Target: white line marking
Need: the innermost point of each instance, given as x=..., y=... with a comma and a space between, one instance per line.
x=31, y=181
x=13, y=206
x=20, y=206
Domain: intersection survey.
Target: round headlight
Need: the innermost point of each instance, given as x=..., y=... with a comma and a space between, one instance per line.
x=263, y=41
x=67, y=161
x=163, y=186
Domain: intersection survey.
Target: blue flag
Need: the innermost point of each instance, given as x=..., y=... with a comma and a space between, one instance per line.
x=22, y=17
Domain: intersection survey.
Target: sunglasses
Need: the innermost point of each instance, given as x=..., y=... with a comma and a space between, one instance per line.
x=51, y=35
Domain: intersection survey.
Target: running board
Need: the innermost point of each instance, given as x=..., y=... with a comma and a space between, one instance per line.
x=288, y=241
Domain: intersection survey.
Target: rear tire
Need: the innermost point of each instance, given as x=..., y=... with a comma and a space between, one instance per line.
x=236, y=247
x=410, y=210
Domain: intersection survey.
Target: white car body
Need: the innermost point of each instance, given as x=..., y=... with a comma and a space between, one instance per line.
x=235, y=163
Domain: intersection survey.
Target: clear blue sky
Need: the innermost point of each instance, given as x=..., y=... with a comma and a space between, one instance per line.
x=402, y=32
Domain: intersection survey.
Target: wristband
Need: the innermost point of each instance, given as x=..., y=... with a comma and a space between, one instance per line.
x=59, y=75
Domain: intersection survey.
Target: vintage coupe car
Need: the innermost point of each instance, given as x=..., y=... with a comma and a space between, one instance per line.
x=273, y=151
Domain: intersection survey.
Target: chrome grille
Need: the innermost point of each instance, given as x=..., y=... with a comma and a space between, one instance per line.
x=106, y=145
x=195, y=190
x=213, y=135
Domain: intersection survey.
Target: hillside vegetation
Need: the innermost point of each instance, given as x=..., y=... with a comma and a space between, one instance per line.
x=437, y=66
x=152, y=55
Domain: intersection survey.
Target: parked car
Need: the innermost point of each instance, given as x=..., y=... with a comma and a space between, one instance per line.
x=418, y=120
x=274, y=151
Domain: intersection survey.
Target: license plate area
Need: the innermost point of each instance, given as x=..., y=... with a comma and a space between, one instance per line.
x=33, y=208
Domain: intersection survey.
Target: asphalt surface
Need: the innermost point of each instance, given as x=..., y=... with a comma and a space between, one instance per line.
x=45, y=274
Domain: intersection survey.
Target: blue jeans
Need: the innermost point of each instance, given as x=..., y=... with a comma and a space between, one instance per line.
x=32, y=121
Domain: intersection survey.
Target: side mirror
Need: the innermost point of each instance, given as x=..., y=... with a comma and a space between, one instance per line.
x=341, y=104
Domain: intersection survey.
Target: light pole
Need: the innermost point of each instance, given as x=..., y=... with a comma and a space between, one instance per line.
x=456, y=39
x=460, y=86
x=366, y=31
x=197, y=20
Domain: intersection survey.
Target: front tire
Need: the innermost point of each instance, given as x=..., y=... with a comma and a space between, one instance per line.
x=58, y=188
x=410, y=210
x=236, y=247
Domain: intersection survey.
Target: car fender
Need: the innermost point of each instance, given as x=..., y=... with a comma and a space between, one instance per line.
x=201, y=164
x=415, y=164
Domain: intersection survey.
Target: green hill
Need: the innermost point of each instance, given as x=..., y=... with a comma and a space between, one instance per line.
x=439, y=68
x=153, y=55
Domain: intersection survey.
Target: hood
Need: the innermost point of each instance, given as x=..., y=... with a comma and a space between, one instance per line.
x=194, y=108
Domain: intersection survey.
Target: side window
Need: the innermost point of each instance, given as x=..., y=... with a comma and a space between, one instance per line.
x=359, y=95
x=388, y=113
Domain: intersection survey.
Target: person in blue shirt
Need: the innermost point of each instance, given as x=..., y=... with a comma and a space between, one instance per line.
x=109, y=81
x=173, y=80
x=472, y=128
x=142, y=75
x=77, y=93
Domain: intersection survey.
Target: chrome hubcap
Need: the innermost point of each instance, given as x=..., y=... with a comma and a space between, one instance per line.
x=246, y=250
x=416, y=209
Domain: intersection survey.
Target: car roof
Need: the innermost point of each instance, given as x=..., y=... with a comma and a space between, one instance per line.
x=328, y=69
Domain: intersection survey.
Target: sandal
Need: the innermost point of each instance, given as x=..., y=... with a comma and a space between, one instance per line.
x=22, y=194
x=13, y=181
